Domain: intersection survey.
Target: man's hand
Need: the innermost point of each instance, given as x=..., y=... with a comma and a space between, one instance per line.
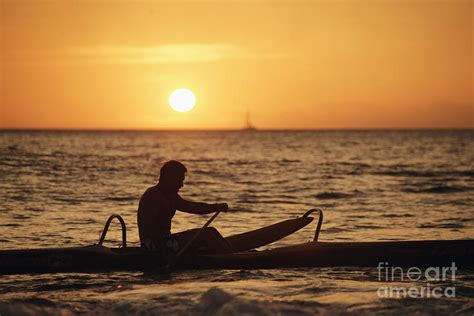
x=221, y=207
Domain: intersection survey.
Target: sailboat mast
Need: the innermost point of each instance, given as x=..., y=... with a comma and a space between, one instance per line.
x=249, y=125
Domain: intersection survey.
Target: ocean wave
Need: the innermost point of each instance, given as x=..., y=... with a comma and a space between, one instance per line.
x=397, y=215
x=284, y=160
x=276, y=201
x=259, y=200
x=455, y=219
x=16, y=163
x=121, y=198
x=439, y=189
x=65, y=286
x=199, y=160
x=36, y=300
x=21, y=216
x=298, y=189
x=425, y=174
x=248, y=182
x=67, y=200
x=83, y=222
x=334, y=230
x=368, y=227
x=442, y=225
x=333, y=195
x=353, y=164
x=236, y=209
x=242, y=162
x=218, y=302
x=10, y=225
x=247, y=200
x=286, y=196
x=13, y=147
x=212, y=172
x=230, y=276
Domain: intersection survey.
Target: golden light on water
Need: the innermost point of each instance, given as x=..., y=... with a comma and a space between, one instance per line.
x=182, y=100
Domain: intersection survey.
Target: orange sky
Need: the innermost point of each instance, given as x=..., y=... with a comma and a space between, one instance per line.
x=313, y=64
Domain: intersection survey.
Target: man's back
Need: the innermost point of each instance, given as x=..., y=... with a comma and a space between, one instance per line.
x=154, y=215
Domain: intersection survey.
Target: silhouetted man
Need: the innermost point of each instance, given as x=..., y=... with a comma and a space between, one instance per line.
x=159, y=204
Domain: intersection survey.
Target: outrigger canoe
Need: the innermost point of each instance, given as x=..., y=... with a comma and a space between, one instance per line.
x=96, y=258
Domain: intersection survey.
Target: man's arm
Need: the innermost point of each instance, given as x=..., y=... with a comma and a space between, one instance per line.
x=199, y=207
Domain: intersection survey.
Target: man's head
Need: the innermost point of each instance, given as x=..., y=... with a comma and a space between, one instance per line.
x=172, y=175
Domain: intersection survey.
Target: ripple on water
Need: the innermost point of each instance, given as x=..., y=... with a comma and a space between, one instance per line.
x=441, y=189
x=333, y=195
x=21, y=216
x=441, y=225
x=391, y=215
x=11, y=225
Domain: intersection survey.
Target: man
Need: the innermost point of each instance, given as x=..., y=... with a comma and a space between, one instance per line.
x=159, y=204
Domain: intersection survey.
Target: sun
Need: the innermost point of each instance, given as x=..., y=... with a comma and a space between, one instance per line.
x=182, y=100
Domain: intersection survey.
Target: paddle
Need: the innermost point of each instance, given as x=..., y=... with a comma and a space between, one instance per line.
x=182, y=250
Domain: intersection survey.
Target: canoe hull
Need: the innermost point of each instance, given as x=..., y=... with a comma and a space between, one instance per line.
x=362, y=254
x=97, y=258
x=81, y=259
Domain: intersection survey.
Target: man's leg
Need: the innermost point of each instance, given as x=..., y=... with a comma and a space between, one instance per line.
x=215, y=241
x=209, y=240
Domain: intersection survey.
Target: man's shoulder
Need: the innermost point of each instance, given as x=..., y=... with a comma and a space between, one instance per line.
x=153, y=193
x=153, y=189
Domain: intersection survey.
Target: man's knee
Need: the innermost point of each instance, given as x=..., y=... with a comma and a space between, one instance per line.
x=211, y=231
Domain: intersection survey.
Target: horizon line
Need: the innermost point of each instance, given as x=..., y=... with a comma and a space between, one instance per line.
x=233, y=129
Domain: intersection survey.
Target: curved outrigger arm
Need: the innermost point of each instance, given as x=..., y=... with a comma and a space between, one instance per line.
x=124, y=228
x=106, y=228
x=320, y=221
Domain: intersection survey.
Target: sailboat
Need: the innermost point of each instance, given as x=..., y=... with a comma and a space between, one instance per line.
x=249, y=127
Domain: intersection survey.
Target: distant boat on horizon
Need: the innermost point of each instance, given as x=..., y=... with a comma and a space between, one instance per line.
x=249, y=127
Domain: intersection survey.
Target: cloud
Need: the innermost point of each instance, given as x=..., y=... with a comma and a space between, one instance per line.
x=162, y=54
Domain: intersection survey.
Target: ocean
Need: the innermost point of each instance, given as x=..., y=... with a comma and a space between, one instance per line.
x=59, y=187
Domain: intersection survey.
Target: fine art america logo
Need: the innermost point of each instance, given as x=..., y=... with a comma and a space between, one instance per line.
x=388, y=273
